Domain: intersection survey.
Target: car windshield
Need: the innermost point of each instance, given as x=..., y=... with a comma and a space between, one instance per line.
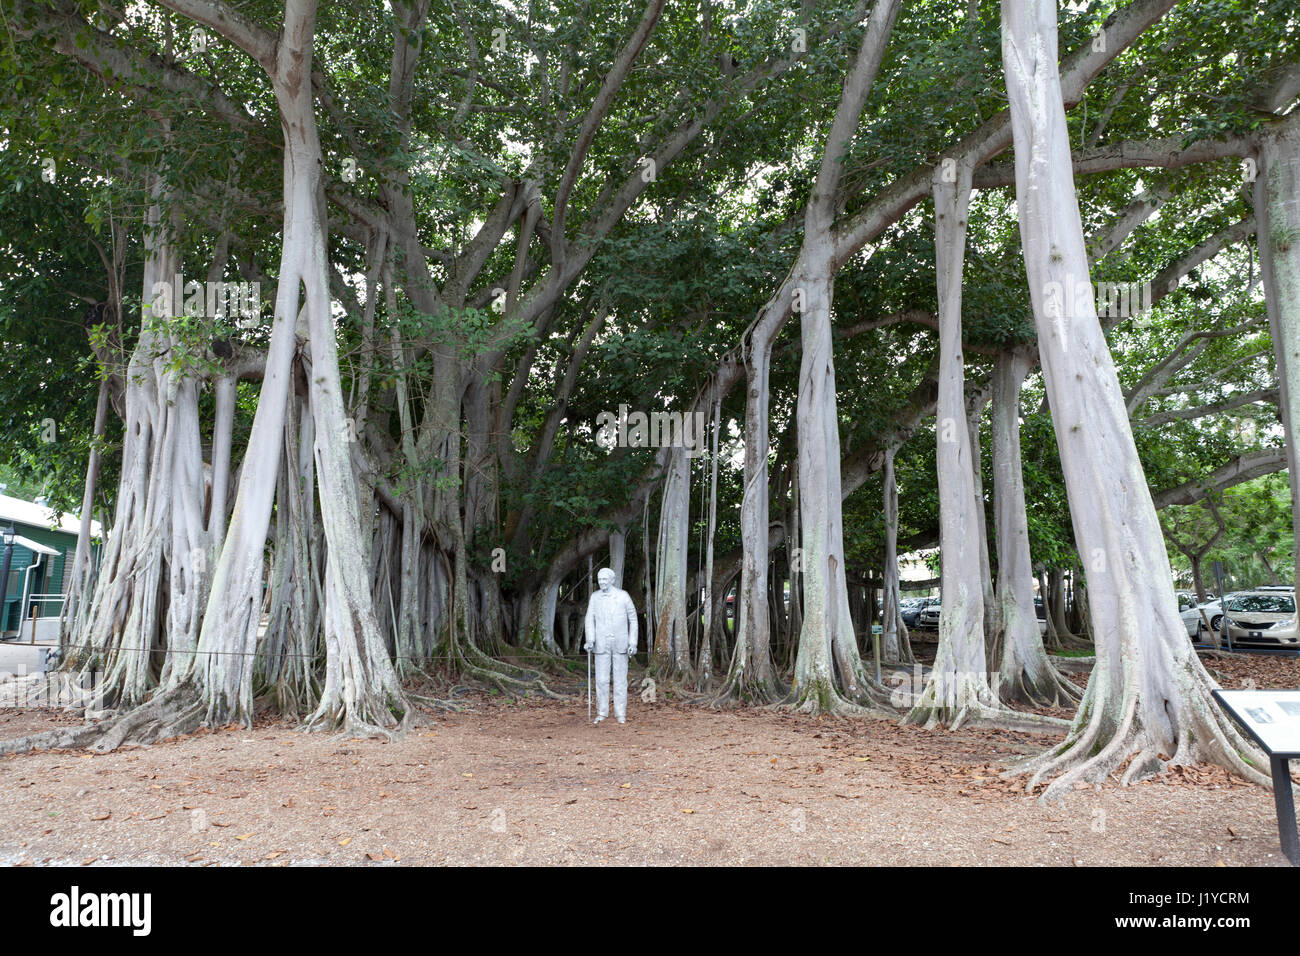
x=1263, y=603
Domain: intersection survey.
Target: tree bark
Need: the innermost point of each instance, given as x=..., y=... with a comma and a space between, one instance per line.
x=1148, y=696
x=1277, y=213
x=1025, y=674
x=958, y=688
x=896, y=646
x=670, y=657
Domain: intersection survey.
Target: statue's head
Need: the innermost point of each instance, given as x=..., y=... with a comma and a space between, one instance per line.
x=605, y=578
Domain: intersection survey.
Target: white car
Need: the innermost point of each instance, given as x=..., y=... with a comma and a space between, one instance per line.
x=1195, y=615
x=1190, y=612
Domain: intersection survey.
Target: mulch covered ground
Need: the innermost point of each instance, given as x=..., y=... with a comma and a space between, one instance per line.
x=532, y=782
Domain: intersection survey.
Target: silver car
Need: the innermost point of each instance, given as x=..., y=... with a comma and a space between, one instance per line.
x=928, y=619
x=1265, y=618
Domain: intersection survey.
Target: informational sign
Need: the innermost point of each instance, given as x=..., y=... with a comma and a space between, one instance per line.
x=1272, y=717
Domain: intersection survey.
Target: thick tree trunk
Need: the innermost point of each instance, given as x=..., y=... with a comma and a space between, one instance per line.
x=126, y=626
x=1277, y=213
x=1148, y=696
x=826, y=619
x=705, y=670
x=671, y=651
x=1025, y=673
x=958, y=688
x=750, y=676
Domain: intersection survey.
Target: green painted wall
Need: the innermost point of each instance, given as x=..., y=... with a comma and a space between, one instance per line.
x=49, y=578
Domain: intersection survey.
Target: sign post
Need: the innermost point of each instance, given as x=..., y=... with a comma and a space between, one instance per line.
x=1217, y=567
x=1272, y=719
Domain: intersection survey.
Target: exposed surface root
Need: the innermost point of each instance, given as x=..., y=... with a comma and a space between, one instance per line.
x=977, y=714
x=166, y=715
x=1051, y=690
x=51, y=740
x=1102, y=740
x=967, y=701
x=744, y=688
x=435, y=703
x=511, y=679
x=818, y=697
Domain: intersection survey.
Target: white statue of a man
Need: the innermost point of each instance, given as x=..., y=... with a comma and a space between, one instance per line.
x=611, y=634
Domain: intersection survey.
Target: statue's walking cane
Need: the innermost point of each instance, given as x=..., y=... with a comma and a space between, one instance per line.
x=588, y=685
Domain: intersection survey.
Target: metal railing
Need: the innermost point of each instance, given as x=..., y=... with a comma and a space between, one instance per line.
x=33, y=599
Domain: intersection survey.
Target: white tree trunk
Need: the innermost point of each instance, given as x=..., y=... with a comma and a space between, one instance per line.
x=706, y=602
x=826, y=618
x=1025, y=673
x=1148, y=696
x=79, y=581
x=749, y=675
x=896, y=646
x=958, y=687
x=1277, y=214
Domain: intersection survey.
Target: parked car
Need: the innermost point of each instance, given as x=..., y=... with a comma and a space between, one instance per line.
x=928, y=619
x=911, y=609
x=1211, y=610
x=1190, y=612
x=1263, y=617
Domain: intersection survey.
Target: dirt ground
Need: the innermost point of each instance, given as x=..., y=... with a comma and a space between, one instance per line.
x=532, y=783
